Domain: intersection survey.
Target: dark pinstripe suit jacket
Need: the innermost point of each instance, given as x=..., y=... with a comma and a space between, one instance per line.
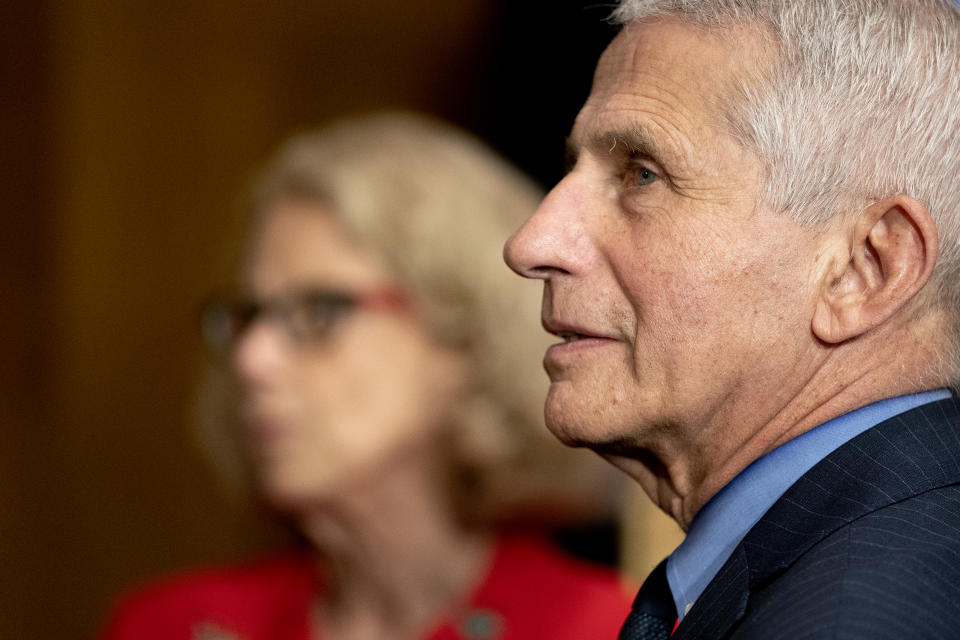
x=865, y=545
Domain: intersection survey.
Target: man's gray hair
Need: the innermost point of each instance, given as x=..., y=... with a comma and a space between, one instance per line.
x=861, y=101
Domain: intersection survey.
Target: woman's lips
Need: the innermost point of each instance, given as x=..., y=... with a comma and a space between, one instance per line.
x=264, y=431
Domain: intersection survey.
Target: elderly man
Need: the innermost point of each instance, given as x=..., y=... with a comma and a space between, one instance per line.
x=752, y=264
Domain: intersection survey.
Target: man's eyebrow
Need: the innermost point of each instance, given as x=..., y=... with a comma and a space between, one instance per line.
x=636, y=140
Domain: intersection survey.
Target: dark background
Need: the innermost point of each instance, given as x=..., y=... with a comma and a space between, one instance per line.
x=128, y=128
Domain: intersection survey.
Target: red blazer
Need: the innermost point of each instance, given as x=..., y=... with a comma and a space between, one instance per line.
x=531, y=591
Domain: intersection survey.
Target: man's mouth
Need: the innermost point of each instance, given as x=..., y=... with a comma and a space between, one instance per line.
x=567, y=331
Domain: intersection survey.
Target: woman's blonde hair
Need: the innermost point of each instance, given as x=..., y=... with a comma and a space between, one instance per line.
x=438, y=206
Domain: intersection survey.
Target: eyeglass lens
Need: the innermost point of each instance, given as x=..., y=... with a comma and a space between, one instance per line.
x=305, y=316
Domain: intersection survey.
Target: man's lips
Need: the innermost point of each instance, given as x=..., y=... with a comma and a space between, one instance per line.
x=578, y=342
x=571, y=332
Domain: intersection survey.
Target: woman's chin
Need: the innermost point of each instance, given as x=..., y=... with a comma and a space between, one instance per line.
x=292, y=493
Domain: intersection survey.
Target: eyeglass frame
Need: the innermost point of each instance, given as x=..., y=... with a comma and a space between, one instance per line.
x=227, y=315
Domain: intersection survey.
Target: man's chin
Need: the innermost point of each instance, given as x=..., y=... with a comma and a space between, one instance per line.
x=570, y=430
x=588, y=427
x=563, y=418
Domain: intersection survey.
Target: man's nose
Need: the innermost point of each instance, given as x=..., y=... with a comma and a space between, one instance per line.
x=554, y=240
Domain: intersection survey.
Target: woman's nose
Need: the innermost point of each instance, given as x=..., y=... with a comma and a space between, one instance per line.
x=259, y=353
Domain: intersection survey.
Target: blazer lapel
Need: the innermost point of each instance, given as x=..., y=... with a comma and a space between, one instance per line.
x=906, y=455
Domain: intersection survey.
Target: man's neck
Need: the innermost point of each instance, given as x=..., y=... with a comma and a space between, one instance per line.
x=682, y=474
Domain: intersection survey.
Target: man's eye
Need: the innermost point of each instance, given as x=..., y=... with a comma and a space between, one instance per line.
x=641, y=177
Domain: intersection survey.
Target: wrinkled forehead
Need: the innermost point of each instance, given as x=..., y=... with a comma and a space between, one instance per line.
x=665, y=67
x=716, y=50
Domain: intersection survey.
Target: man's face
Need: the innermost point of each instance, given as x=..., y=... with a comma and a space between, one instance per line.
x=684, y=303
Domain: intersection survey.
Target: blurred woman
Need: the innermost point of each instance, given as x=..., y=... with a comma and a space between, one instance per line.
x=384, y=383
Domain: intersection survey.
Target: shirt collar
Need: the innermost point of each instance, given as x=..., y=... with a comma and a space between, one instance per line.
x=722, y=523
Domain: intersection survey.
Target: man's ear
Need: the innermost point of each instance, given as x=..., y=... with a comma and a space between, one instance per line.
x=893, y=250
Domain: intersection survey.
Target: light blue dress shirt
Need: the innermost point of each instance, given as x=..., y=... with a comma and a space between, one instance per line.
x=723, y=522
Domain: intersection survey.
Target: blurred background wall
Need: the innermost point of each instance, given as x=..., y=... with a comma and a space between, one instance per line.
x=128, y=129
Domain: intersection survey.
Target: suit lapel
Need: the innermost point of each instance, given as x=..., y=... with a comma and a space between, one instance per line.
x=723, y=603
x=901, y=457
